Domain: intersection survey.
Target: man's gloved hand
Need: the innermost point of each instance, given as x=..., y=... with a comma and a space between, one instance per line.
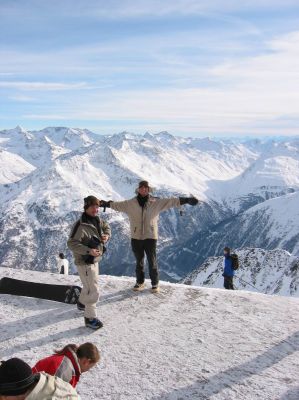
x=188, y=200
x=105, y=204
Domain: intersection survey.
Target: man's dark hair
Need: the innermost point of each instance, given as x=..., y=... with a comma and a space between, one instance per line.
x=61, y=255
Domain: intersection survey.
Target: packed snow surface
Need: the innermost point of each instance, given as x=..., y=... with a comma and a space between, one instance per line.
x=183, y=343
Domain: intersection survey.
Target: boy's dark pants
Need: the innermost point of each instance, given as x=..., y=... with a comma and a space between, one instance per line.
x=228, y=283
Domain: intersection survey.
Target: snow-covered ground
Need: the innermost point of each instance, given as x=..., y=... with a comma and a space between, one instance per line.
x=184, y=343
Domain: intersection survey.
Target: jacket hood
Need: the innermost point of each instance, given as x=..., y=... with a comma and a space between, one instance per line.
x=52, y=387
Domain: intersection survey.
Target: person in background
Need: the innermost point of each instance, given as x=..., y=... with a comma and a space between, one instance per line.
x=70, y=362
x=18, y=382
x=143, y=211
x=63, y=264
x=87, y=242
x=228, y=272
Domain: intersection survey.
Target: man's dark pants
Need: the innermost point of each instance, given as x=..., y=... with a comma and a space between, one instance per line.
x=141, y=248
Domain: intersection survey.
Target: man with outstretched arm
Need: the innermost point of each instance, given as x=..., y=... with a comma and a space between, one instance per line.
x=143, y=211
x=86, y=241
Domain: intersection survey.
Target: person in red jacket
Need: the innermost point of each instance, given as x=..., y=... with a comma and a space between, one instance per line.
x=70, y=362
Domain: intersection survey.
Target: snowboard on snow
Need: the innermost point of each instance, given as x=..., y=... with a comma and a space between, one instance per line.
x=62, y=293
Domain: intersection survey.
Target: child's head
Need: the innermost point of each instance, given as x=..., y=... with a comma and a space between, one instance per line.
x=87, y=353
x=88, y=356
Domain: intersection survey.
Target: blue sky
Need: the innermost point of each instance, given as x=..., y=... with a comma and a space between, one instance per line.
x=193, y=68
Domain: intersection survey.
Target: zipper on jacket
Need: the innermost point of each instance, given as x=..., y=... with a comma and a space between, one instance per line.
x=142, y=223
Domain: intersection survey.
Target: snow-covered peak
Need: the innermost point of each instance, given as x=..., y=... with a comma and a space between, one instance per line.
x=164, y=135
x=279, y=219
x=148, y=136
x=17, y=133
x=18, y=129
x=118, y=140
x=42, y=147
x=207, y=144
x=272, y=171
x=13, y=167
x=70, y=138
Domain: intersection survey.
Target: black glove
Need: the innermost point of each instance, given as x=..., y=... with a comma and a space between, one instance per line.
x=188, y=200
x=105, y=204
x=94, y=243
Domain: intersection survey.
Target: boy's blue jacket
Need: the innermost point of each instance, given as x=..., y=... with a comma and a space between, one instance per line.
x=228, y=266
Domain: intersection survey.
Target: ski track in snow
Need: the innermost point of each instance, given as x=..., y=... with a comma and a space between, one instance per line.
x=183, y=343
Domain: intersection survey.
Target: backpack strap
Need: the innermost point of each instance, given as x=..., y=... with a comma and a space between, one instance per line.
x=76, y=227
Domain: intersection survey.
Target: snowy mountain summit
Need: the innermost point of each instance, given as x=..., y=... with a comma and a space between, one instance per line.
x=183, y=343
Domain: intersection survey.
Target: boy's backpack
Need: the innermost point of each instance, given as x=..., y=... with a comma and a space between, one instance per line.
x=235, y=261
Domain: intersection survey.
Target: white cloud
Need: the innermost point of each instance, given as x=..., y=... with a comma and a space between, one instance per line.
x=257, y=92
x=44, y=86
x=144, y=53
x=279, y=66
x=157, y=8
x=22, y=98
x=43, y=117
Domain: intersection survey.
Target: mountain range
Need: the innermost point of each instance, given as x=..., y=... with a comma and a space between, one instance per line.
x=248, y=189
